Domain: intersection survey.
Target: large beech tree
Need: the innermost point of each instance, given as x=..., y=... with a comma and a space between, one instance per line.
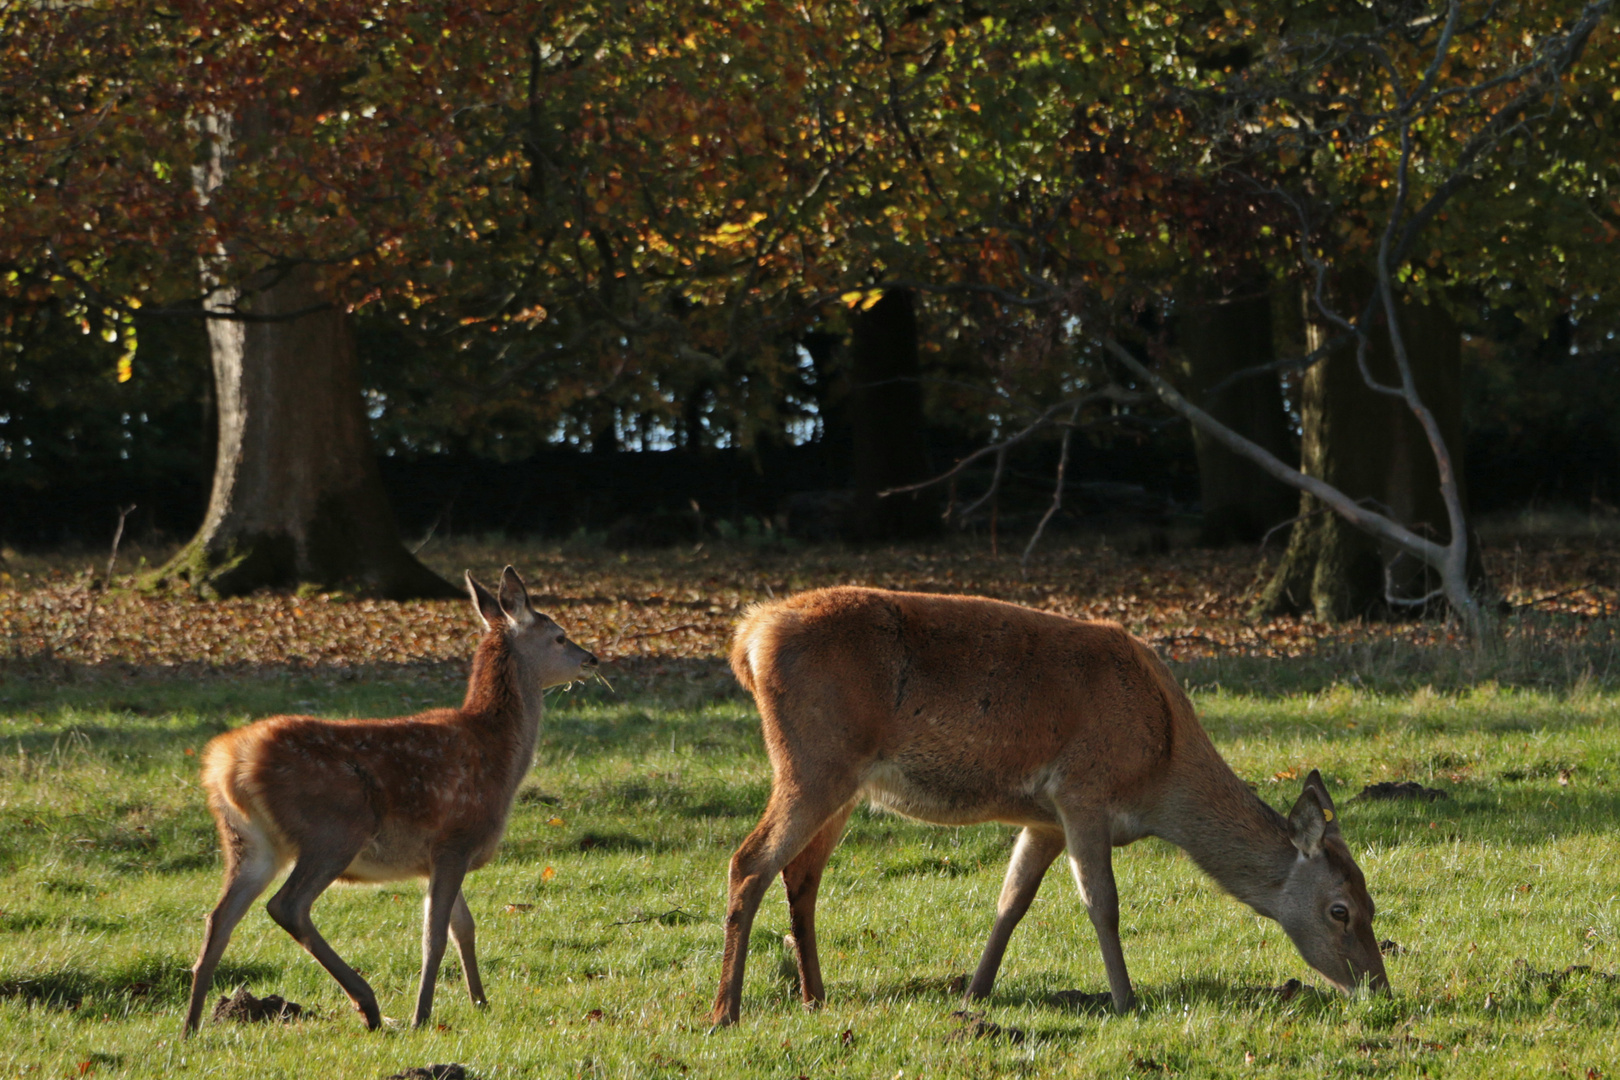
x=178, y=159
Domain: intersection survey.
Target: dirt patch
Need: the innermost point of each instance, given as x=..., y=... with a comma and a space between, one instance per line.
x=1084, y=1001
x=1555, y=979
x=1400, y=789
x=431, y=1072
x=611, y=842
x=975, y=1026
x=244, y=1008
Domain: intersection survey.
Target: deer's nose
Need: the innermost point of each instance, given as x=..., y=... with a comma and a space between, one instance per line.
x=589, y=661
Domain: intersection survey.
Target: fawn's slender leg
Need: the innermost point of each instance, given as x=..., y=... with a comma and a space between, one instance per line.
x=314, y=871
x=1032, y=854
x=250, y=866
x=444, y=887
x=461, y=932
x=802, y=879
x=1091, y=854
x=792, y=818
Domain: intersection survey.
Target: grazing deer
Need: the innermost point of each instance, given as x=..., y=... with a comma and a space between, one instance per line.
x=383, y=800
x=960, y=710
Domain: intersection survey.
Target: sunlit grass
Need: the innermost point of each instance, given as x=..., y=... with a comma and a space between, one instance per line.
x=107, y=865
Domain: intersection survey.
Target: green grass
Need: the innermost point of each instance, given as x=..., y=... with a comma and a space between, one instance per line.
x=107, y=864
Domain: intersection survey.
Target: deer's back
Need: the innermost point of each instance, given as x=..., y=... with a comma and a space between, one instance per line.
x=959, y=708
x=410, y=783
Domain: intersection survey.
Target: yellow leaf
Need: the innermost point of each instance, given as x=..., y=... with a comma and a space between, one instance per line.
x=850, y=299
x=547, y=874
x=126, y=368
x=555, y=821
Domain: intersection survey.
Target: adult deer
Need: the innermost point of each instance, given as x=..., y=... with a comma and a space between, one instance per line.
x=383, y=800
x=959, y=710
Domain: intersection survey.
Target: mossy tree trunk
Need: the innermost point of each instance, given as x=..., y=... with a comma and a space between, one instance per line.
x=886, y=415
x=1241, y=501
x=297, y=495
x=1371, y=447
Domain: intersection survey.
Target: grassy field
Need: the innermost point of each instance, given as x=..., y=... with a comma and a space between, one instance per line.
x=599, y=924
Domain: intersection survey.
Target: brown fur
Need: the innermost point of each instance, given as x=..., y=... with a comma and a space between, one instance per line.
x=960, y=710
x=380, y=800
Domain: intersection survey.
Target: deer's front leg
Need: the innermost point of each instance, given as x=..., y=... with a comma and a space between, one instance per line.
x=461, y=932
x=1091, y=854
x=444, y=886
x=1034, y=852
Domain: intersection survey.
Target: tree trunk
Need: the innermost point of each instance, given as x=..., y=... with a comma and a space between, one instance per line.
x=886, y=413
x=1241, y=501
x=297, y=495
x=1371, y=447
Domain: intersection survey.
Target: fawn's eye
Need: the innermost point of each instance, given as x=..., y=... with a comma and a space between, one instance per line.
x=1340, y=912
x=561, y=638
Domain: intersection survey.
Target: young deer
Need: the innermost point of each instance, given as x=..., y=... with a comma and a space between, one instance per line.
x=959, y=710
x=383, y=800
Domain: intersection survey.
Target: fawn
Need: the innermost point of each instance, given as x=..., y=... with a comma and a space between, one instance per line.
x=959, y=710
x=384, y=800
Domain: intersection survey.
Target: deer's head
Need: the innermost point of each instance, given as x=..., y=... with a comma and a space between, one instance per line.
x=1324, y=906
x=544, y=653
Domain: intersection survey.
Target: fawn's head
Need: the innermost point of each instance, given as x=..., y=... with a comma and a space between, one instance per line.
x=543, y=651
x=1324, y=906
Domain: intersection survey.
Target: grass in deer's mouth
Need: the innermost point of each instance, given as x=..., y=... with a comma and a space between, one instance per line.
x=599, y=922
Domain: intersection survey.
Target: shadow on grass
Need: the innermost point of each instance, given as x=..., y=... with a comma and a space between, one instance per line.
x=146, y=985
x=1555, y=653
x=1517, y=815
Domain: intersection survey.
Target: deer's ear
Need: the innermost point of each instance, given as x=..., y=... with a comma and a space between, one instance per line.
x=1314, y=783
x=484, y=603
x=1308, y=823
x=515, y=599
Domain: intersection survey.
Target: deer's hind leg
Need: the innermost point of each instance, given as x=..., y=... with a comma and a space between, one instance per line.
x=796, y=812
x=250, y=866
x=316, y=869
x=461, y=931
x=802, y=880
x=1032, y=854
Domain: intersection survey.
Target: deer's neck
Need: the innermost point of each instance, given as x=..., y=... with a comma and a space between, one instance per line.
x=1230, y=833
x=500, y=699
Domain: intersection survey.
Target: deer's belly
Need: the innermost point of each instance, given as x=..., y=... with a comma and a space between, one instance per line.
x=390, y=857
x=954, y=796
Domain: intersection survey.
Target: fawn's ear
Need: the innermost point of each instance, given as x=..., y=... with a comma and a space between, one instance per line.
x=1308, y=823
x=515, y=599
x=484, y=603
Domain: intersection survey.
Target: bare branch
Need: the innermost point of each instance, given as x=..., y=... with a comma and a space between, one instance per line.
x=1116, y=394
x=1346, y=507
x=1057, y=492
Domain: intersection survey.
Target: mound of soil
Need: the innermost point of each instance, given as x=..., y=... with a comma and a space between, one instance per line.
x=432, y=1072
x=1402, y=789
x=244, y=1008
x=975, y=1026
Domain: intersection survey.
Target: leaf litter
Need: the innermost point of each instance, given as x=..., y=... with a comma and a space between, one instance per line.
x=676, y=607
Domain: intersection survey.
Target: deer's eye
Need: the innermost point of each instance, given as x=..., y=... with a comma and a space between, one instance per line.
x=1340, y=912
x=561, y=638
